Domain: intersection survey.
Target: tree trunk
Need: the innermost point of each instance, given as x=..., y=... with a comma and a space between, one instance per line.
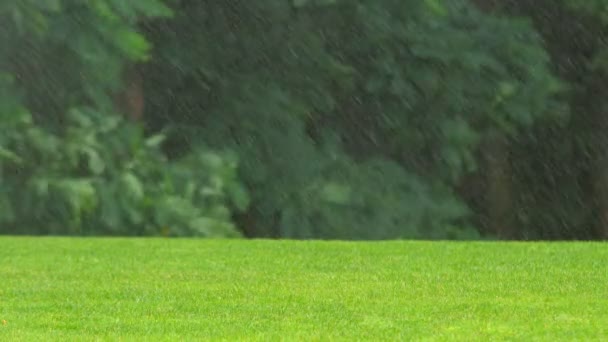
x=499, y=202
x=599, y=175
x=130, y=100
x=498, y=195
x=600, y=196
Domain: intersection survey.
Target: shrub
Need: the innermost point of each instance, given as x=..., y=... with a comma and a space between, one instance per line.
x=101, y=175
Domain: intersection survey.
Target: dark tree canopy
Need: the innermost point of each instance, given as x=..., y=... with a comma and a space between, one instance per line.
x=304, y=119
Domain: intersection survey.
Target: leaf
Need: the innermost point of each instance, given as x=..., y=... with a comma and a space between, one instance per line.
x=51, y=5
x=239, y=197
x=137, y=8
x=506, y=89
x=104, y=10
x=79, y=193
x=155, y=140
x=132, y=44
x=41, y=187
x=96, y=163
x=208, y=227
x=10, y=156
x=336, y=193
x=132, y=186
x=437, y=7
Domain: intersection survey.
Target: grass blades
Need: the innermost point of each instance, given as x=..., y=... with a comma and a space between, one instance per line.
x=169, y=289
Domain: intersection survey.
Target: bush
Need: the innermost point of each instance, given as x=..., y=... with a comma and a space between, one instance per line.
x=102, y=176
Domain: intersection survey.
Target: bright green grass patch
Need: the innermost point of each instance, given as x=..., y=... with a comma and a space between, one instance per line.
x=162, y=289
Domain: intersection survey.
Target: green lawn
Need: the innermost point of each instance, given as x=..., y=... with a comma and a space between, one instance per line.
x=163, y=289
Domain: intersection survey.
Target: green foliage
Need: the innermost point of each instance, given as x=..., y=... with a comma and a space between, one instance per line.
x=557, y=163
x=349, y=119
x=375, y=199
x=434, y=85
x=596, y=8
x=68, y=163
x=72, y=52
x=104, y=177
x=380, y=104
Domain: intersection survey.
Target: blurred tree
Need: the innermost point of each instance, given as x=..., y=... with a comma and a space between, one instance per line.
x=560, y=170
x=130, y=97
x=597, y=67
x=349, y=119
x=311, y=92
x=68, y=163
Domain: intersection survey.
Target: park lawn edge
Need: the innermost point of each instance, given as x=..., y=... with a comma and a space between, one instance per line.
x=58, y=288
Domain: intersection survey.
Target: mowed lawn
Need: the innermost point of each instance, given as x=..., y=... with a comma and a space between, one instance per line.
x=184, y=289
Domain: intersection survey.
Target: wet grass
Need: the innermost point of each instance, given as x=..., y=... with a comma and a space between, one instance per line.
x=160, y=289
